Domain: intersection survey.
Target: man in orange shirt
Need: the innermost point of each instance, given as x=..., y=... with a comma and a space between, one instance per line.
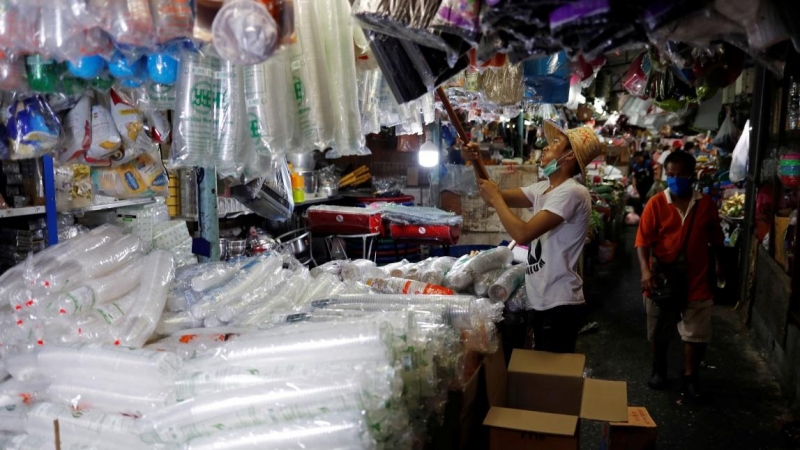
x=663, y=230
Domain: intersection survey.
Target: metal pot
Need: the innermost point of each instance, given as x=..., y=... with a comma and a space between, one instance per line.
x=298, y=241
x=302, y=162
x=223, y=249
x=330, y=191
x=237, y=248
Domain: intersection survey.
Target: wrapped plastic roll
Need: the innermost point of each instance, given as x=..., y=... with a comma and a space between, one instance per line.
x=106, y=259
x=320, y=288
x=271, y=111
x=188, y=343
x=511, y=279
x=330, y=267
x=334, y=17
x=416, y=270
x=111, y=429
x=158, y=272
x=12, y=418
x=234, y=288
x=355, y=270
x=397, y=269
x=518, y=300
x=272, y=288
x=194, y=134
x=484, y=281
x=436, y=271
x=458, y=278
x=108, y=396
x=403, y=286
x=99, y=291
x=315, y=122
x=173, y=322
x=227, y=115
x=283, y=298
x=338, y=431
x=85, y=361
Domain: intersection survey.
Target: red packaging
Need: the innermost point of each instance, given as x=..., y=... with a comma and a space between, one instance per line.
x=446, y=234
x=344, y=220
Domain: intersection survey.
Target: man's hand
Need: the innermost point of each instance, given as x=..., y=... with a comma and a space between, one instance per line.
x=490, y=192
x=648, y=282
x=471, y=151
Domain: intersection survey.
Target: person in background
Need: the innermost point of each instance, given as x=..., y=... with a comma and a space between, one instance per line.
x=562, y=207
x=642, y=169
x=668, y=219
x=689, y=148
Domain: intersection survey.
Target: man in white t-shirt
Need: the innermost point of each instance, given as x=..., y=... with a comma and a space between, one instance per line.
x=562, y=207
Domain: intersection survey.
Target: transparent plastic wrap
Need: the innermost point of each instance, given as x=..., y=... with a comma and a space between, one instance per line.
x=67, y=31
x=465, y=271
x=172, y=19
x=330, y=267
x=114, y=430
x=397, y=269
x=548, y=77
x=13, y=418
x=334, y=17
x=437, y=270
x=242, y=281
x=33, y=128
x=131, y=125
x=272, y=289
x=271, y=110
x=108, y=396
x=503, y=86
x=227, y=115
x=142, y=177
x=12, y=74
x=507, y=283
x=173, y=322
x=188, y=343
x=485, y=280
x=244, y=32
x=285, y=297
x=369, y=88
x=195, y=121
x=518, y=301
x=298, y=343
x=403, y=286
x=158, y=272
x=458, y=278
x=356, y=269
x=129, y=22
x=315, y=128
x=419, y=215
x=336, y=431
x=416, y=270
x=100, y=290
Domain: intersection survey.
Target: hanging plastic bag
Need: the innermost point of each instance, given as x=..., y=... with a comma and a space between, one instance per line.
x=503, y=86
x=741, y=154
x=172, y=19
x=636, y=77
x=77, y=132
x=270, y=110
x=271, y=196
x=33, y=128
x=143, y=177
x=727, y=135
x=548, y=78
x=106, y=142
x=460, y=18
x=128, y=22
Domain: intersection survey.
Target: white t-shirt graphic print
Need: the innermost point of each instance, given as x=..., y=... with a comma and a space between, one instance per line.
x=551, y=279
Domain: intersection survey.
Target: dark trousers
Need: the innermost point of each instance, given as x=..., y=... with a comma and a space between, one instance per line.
x=556, y=330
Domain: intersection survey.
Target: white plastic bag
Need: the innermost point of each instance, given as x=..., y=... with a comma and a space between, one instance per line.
x=741, y=155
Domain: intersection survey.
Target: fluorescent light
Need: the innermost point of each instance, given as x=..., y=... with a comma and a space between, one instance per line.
x=428, y=155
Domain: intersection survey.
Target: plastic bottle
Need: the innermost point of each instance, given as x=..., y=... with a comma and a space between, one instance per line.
x=410, y=287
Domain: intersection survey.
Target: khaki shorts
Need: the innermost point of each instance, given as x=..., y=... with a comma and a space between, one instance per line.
x=693, y=324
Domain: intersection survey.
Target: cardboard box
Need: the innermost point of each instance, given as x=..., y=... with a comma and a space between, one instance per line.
x=638, y=433
x=545, y=398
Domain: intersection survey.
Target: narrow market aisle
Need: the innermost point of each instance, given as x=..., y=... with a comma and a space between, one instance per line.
x=746, y=410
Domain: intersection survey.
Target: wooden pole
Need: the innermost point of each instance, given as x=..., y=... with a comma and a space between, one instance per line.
x=57, y=432
x=480, y=169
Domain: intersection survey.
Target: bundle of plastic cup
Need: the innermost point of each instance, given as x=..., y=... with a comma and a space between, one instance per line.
x=508, y=282
x=467, y=268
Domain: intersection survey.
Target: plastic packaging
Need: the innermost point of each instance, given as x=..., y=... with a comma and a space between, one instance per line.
x=409, y=287
x=507, y=283
x=518, y=301
x=144, y=176
x=548, y=77
x=244, y=32
x=172, y=19
x=484, y=281
x=129, y=22
x=33, y=128
x=436, y=271
x=158, y=272
x=355, y=270
x=270, y=112
x=88, y=426
x=503, y=86
x=465, y=270
x=100, y=290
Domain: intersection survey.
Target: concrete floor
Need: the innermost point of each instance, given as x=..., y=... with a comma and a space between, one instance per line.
x=745, y=409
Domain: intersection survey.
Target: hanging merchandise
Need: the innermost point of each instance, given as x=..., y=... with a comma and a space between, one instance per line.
x=104, y=137
x=411, y=70
x=33, y=128
x=503, y=86
x=270, y=113
x=172, y=19
x=67, y=30
x=370, y=83
x=128, y=22
x=244, y=32
x=741, y=155
x=271, y=195
x=548, y=78
x=638, y=75
x=460, y=18
x=142, y=177
x=334, y=18
x=208, y=105
x=311, y=82
x=727, y=136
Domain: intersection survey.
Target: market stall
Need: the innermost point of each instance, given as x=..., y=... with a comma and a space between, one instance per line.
x=217, y=218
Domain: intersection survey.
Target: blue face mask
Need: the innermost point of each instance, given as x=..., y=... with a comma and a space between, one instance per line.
x=552, y=166
x=680, y=186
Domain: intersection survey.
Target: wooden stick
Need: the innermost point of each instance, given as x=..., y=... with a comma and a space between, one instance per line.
x=57, y=431
x=480, y=169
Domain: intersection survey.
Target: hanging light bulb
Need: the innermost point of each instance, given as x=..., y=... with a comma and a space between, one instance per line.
x=428, y=155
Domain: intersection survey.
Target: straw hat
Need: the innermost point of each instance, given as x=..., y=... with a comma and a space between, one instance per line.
x=583, y=140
